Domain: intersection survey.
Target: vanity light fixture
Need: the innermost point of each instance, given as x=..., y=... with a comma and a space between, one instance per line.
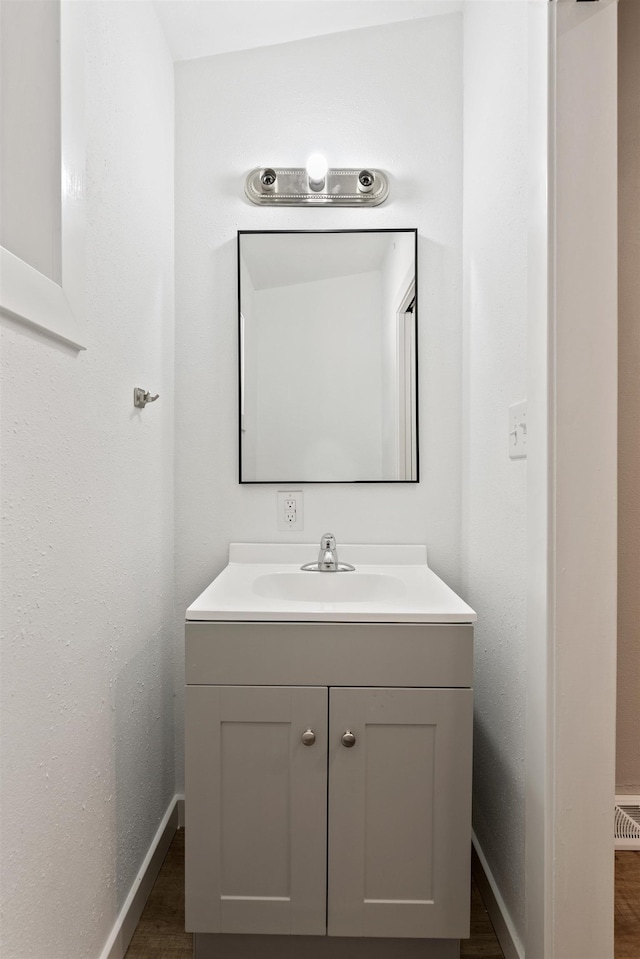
x=316, y=185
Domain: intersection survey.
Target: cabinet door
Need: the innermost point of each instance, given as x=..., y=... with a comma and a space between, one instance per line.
x=256, y=806
x=400, y=812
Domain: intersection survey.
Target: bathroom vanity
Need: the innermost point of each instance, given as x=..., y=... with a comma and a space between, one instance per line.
x=328, y=758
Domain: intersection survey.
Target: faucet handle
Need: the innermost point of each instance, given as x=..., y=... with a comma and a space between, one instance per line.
x=328, y=555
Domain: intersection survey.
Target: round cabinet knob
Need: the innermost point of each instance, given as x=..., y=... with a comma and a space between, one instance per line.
x=308, y=737
x=348, y=739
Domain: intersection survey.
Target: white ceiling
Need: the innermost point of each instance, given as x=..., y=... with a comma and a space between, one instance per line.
x=200, y=28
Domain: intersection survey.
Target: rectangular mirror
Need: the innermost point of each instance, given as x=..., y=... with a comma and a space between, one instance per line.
x=328, y=357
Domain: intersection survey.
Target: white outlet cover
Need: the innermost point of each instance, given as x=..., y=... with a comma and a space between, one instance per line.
x=290, y=520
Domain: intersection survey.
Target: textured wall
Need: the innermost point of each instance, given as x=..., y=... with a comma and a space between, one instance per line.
x=389, y=97
x=494, y=487
x=87, y=508
x=628, y=719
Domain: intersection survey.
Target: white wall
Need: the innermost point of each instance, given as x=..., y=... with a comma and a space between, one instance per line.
x=87, y=503
x=539, y=745
x=563, y=770
x=494, y=487
x=628, y=723
x=388, y=97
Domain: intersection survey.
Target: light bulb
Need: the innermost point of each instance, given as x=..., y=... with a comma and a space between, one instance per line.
x=316, y=171
x=317, y=167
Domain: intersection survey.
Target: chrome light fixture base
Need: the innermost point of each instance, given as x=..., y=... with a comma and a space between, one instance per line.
x=271, y=186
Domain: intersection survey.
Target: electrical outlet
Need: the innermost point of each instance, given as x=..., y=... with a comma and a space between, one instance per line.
x=518, y=430
x=290, y=510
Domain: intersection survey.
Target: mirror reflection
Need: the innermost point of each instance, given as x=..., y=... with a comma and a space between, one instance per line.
x=328, y=330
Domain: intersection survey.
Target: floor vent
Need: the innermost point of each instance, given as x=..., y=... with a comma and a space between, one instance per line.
x=627, y=822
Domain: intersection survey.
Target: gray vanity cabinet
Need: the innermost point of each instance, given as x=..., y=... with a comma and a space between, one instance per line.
x=328, y=809
x=257, y=810
x=399, y=813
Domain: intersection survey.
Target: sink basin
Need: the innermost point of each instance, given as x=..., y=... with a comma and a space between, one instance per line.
x=263, y=582
x=352, y=587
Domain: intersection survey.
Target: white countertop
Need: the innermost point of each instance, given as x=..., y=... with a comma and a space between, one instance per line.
x=391, y=584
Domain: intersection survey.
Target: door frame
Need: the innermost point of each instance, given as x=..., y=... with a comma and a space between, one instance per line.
x=572, y=489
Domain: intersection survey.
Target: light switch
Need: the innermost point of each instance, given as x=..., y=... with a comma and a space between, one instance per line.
x=518, y=430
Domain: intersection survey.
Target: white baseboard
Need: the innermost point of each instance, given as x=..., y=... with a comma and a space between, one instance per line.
x=129, y=916
x=498, y=912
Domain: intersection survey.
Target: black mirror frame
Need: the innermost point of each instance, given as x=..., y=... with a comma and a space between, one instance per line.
x=298, y=482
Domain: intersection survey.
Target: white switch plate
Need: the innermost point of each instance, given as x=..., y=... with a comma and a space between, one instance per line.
x=518, y=430
x=290, y=510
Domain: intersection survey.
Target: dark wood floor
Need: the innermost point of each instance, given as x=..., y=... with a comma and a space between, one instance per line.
x=627, y=914
x=160, y=933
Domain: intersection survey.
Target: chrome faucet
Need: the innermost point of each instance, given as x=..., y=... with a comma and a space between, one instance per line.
x=328, y=558
x=328, y=555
